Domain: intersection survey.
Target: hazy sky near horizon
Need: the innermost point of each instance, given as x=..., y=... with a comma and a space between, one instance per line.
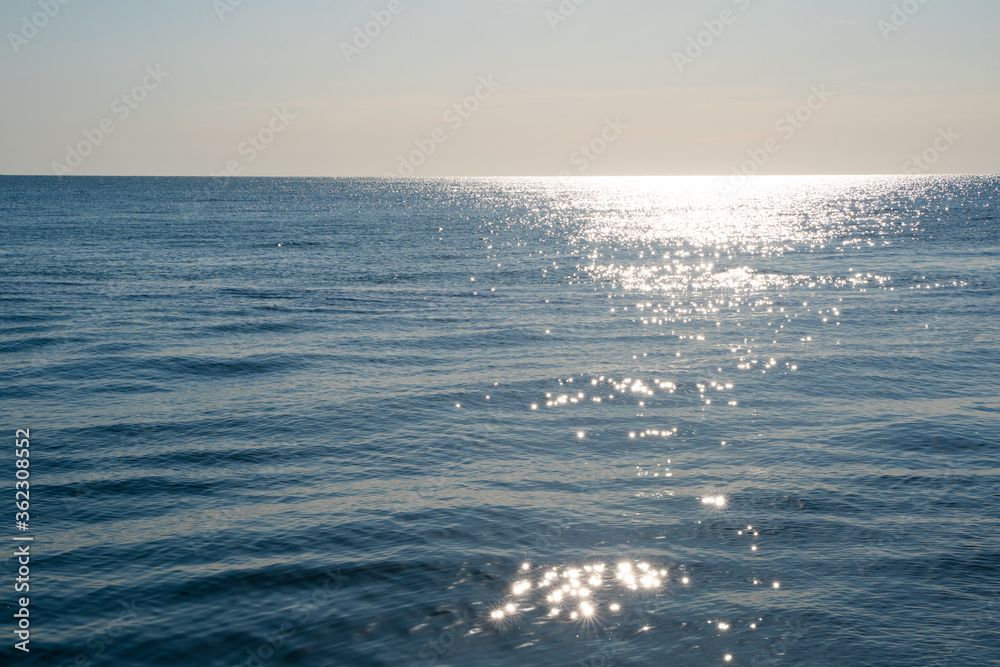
x=894, y=85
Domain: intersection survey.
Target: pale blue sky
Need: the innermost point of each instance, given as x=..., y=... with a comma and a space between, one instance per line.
x=612, y=59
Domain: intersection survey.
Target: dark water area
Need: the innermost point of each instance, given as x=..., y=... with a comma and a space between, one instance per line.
x=504, y=421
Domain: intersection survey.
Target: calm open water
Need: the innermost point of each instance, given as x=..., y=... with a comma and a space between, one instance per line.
x=505, y=421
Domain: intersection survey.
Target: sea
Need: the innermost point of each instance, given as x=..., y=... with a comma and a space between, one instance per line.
x=501, y=421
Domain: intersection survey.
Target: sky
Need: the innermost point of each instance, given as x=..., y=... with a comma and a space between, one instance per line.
x=542, y=87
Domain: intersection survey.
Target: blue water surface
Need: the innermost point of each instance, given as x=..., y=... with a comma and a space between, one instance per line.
x=505, y=421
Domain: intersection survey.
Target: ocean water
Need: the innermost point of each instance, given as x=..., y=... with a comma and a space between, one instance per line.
x=505, y=421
